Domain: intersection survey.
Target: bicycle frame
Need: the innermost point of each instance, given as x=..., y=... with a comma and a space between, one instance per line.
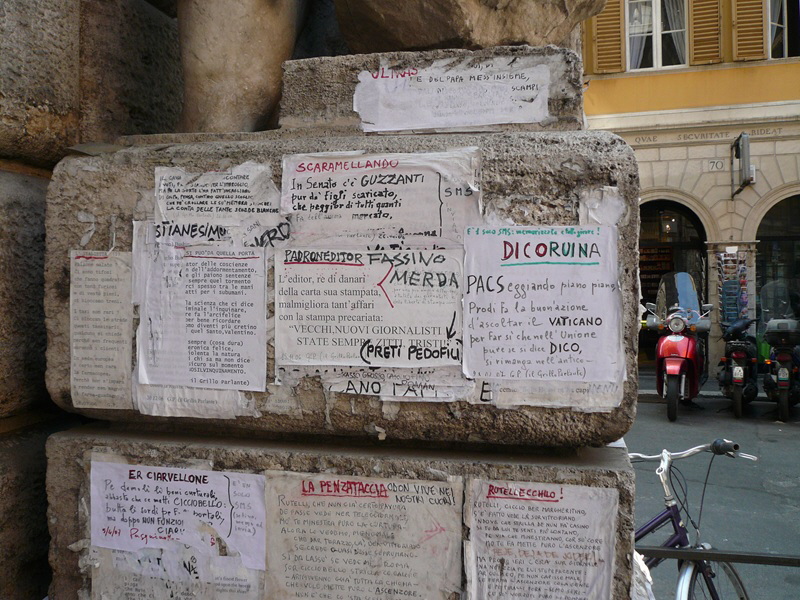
x=679, y=539
x=689, y=569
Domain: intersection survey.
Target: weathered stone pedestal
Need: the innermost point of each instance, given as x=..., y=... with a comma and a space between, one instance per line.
x=71, y=453
x=508, y=492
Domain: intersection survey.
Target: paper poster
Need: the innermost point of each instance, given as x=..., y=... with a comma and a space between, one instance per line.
x=540, y=540
x=543, y=303
x=382, y=198
x=101, y=328
x=179, y=233
x=204, y=319
x=199, y=403
x=180, y=572
x=259, y=232
x=453, y=92
x=140, y=506
x=581, y=397
x=441, y=384
x=359, y=537
x=362, y=308
x=216, y=197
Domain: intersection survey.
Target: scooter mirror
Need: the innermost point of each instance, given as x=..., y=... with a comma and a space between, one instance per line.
x=653, y=322
x=651, y=307
x=707, y=308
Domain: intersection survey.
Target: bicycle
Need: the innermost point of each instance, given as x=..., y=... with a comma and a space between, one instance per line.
x=697, y=578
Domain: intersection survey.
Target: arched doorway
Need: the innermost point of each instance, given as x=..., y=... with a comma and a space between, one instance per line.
x=672, y=238
x=778, y=249
x=777, y=253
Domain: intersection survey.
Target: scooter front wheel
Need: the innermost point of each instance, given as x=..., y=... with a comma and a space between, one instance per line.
x=737, y=401
x=673, y=383
x=783, y=405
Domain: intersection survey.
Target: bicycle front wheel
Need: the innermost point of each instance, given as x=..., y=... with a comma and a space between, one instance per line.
x=707, y=580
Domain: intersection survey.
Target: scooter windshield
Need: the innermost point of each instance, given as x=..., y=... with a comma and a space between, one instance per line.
x=780, y=299
x=677, y=294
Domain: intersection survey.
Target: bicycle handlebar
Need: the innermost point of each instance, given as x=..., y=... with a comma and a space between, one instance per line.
x=719, y=447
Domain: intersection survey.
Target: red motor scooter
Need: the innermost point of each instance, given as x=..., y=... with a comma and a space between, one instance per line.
x=680, y=352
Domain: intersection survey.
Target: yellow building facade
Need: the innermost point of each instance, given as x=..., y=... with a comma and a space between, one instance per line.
x=680, y=81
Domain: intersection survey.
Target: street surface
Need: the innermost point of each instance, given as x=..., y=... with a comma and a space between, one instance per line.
x=749, y=506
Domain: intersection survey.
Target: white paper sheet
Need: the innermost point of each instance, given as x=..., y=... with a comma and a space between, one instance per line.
x=454, y=93
x=140, y=506
x=101, y=327
x=179, y=572
x=382, y=198
x=199, y=403
x=581, y=397
x=362, y=537
x=203, y=323
x=540, y=540
x=543, y=303
x=188, y=233
x=217, y=197
x=362, y=308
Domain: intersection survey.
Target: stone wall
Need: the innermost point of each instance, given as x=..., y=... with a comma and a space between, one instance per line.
x=70, y=456
x=529, y=178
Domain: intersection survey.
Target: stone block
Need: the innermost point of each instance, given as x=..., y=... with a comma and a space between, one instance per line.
x=39, y=79
x=527, y=178
x=130, y=72
x=74, y=71
x=22, y=334
x=23, y=506
x=318, y=92
x=383, y=25
x=72, y=453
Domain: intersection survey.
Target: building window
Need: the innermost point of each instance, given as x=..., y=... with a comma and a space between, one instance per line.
x=784, y=28
x=656, y=33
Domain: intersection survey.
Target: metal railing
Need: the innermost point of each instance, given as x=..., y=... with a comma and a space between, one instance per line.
x=781, y=560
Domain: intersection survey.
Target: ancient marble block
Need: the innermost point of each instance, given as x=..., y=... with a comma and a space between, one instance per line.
x=22, y=333
x=39, y=79
x=74, y=71
x=130, y=72
x=383, y=25
x=328, y=511
x=529, y=179
x=231, y=54
x=319, y=92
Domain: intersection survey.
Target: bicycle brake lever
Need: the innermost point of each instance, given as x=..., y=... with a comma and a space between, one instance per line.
x=744, y=455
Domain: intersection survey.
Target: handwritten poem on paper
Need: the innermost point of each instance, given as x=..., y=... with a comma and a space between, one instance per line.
x=449, y=93
x=434, y=194
x=358, y=537
x=140, y=506
x=542, y=303
x=216, y=197
x=540, y=540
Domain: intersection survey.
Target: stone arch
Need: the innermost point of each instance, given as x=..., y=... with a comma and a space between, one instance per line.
x=708, y=220
x=763, y=206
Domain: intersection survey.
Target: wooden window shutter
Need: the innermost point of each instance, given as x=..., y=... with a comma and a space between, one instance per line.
x=749, y=30
x=608, y=33
x=705, y=32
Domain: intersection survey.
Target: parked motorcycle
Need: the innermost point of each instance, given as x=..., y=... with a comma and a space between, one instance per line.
x=680, y=353
x=780, y=309
x=737, y=373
